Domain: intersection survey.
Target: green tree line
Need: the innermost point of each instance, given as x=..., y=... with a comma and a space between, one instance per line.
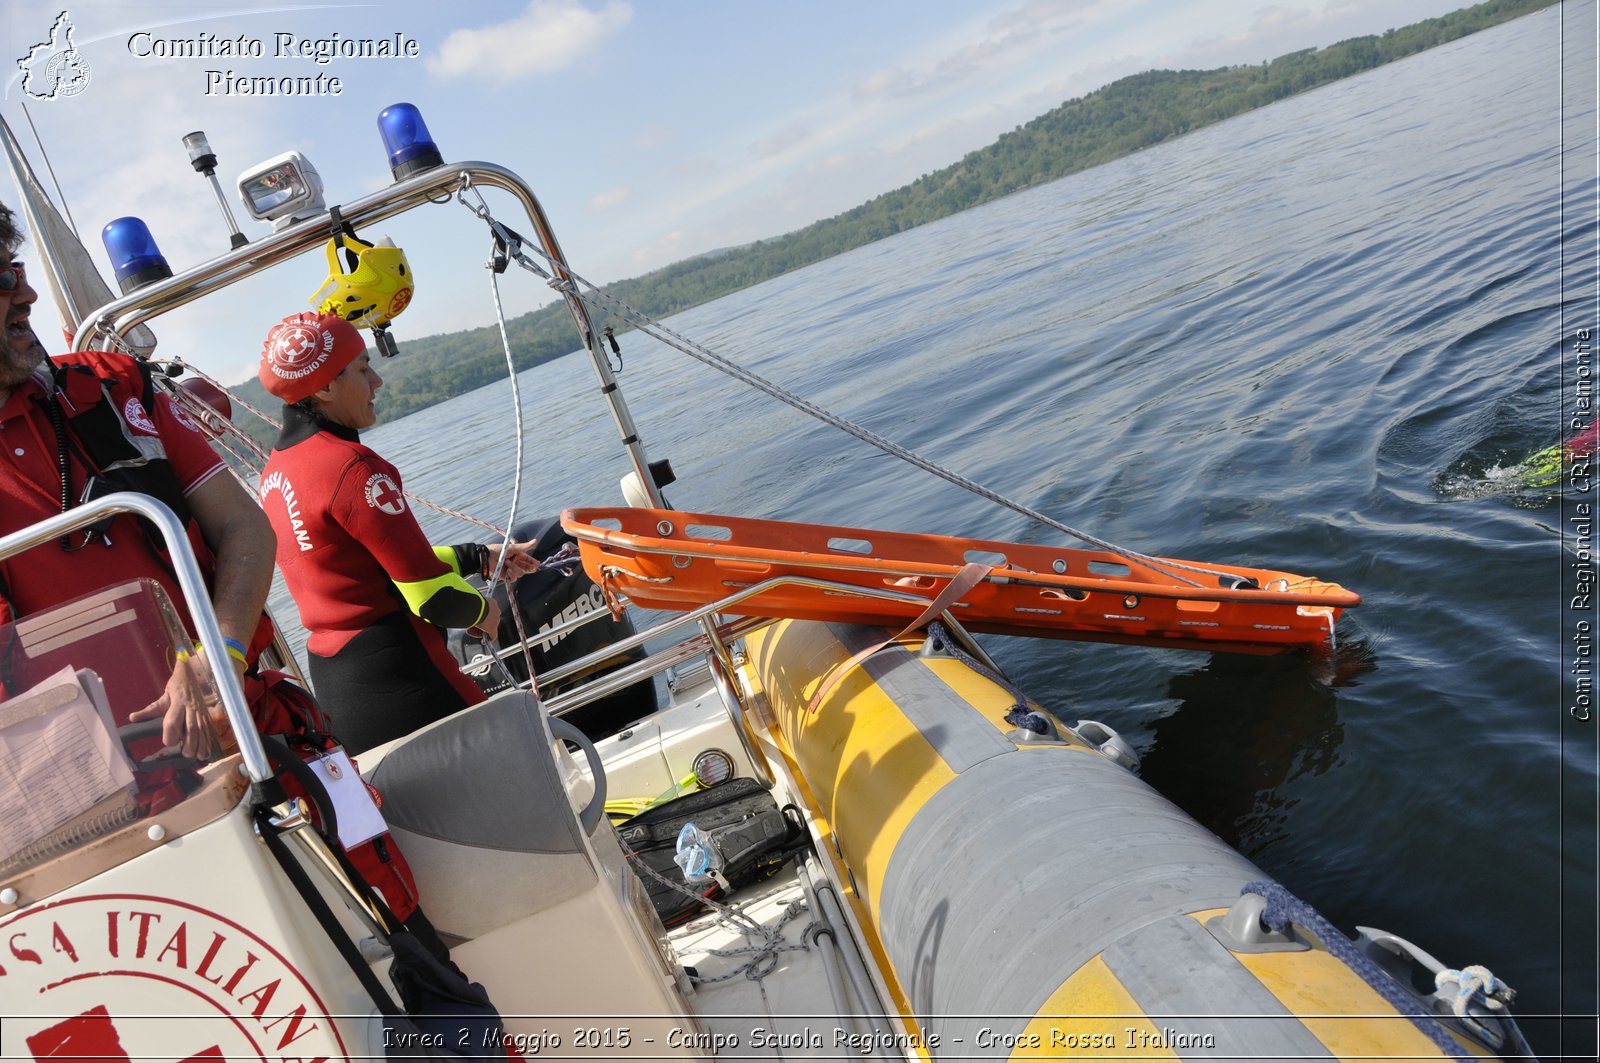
x=1125, y=116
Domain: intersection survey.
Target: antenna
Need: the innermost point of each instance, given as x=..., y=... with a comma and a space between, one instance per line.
x=204, y=161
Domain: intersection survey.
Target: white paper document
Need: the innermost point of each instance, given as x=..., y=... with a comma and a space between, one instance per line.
x=359, y=818
x=59, y=759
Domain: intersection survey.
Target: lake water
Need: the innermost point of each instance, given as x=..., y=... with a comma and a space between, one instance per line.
x=1309, y=338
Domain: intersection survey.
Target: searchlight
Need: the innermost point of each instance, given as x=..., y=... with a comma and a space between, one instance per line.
x=283, y=190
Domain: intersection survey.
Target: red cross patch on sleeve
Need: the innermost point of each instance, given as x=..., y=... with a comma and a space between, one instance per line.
x=385, y=495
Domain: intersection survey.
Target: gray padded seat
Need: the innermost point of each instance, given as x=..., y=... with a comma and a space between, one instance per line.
x=479, y=809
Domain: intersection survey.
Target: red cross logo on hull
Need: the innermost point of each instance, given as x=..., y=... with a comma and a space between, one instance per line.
x=92, y=1038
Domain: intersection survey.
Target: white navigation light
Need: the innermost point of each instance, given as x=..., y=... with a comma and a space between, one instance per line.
x=283, y=190
x=201, y=157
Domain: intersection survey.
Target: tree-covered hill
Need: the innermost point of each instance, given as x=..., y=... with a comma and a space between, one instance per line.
x=1129, y=114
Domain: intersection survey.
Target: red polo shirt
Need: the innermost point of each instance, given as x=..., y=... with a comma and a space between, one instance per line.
x=30, y=491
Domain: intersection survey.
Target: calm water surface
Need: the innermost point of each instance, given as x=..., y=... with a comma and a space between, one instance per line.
x=1311, y=337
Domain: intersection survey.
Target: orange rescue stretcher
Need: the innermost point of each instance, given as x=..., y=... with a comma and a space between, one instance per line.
x=678, y=561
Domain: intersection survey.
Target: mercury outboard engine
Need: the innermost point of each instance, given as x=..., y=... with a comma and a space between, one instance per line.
x=546, y=599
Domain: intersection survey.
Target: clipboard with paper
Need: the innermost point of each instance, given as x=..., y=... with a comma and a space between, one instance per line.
x=64, y=776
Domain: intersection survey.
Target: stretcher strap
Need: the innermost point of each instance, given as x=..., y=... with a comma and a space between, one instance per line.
x=969, y=577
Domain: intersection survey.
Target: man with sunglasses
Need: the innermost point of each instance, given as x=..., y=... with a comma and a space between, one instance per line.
x=78, y=426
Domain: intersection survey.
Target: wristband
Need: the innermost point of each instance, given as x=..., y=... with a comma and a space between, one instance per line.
x=236, y=650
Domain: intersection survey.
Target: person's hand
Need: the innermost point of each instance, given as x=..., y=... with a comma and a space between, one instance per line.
x=489, y=626
x=519, y=560
x=186, y=708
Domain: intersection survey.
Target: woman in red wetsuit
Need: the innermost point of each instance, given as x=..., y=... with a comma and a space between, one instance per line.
x=372, y=592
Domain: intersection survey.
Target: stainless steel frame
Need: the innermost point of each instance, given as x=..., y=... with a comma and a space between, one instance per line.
x=431, y=187
x=121, y=315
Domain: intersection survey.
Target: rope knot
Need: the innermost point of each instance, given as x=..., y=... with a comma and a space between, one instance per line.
x=1283, y=908
x=1474, y=983
x=608, y=590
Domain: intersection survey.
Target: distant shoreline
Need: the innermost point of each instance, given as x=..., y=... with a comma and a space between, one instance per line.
x=1128, y=115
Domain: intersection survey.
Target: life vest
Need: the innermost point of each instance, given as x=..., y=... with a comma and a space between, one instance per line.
x=101, y=394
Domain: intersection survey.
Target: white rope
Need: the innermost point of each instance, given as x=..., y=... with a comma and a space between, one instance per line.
x=1470, y=983
x=516, y=490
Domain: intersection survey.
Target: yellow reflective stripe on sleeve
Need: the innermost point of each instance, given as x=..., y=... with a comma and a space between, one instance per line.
x=446, y=600
x=448, y=555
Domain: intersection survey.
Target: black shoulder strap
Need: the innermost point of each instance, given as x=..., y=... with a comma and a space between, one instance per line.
x=324, y=915
x=98, y=435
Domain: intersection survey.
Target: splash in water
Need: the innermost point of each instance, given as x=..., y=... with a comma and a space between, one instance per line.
x=1548, y=467
x=1534, y=480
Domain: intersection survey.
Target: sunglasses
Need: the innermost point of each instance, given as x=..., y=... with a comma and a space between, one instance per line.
x=11, y=277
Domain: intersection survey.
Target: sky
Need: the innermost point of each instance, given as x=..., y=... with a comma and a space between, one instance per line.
x=649, y=130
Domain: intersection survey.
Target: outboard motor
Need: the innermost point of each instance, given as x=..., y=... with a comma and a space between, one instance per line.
x=546, y=599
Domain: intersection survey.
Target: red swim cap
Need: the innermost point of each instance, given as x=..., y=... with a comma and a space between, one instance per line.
x=304, y=352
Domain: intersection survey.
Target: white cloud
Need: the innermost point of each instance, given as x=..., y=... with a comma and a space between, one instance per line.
x=667, y=248
x=550, y=35
x=1006, y=40
x=612, y=197
x=888, y=81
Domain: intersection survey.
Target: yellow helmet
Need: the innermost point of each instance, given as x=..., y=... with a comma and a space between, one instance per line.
x=374, y=291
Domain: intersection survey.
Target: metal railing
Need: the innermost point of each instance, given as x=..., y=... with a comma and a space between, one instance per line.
x=620, y=678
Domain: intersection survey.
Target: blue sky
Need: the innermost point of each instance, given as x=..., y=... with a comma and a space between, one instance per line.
x=650, y=130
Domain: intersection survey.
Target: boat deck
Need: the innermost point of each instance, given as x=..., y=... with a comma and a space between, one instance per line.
x=759, y=1004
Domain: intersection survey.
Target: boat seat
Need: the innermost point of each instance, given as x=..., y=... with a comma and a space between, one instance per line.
x=479, y=807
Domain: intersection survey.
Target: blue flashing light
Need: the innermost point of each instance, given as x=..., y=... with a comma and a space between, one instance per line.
x=134, y=254
x=405, y=137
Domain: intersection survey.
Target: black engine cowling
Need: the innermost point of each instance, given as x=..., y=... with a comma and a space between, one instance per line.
x=547, y=598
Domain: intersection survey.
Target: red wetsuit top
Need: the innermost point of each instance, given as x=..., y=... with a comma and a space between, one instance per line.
x=30, y=491
x=354, y=559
